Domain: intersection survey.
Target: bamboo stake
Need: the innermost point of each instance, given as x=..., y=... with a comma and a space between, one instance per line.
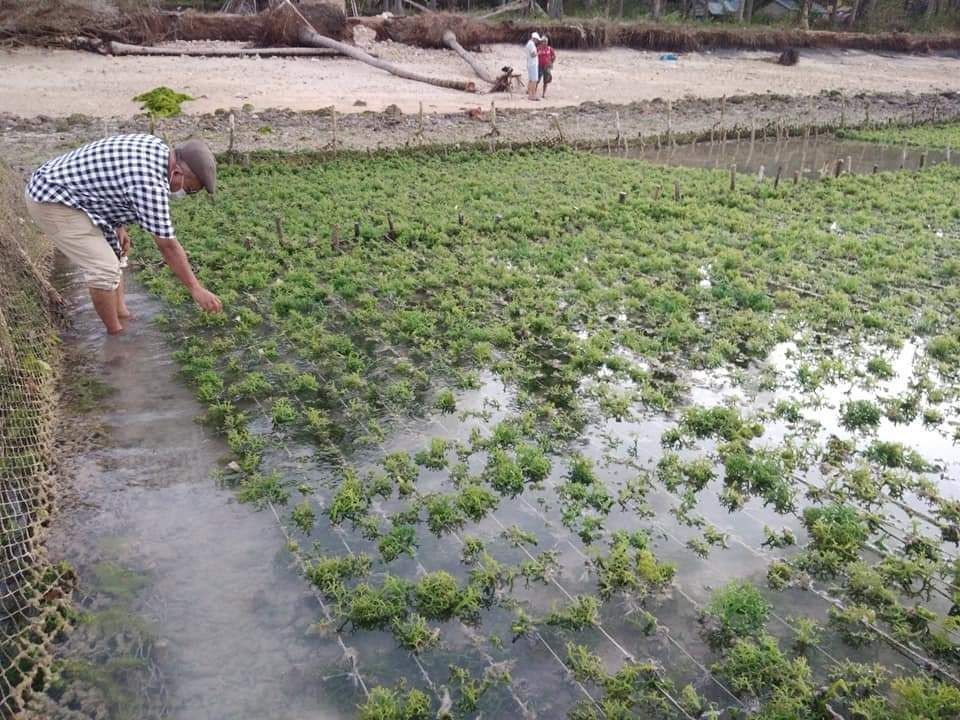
x=333, y=127
x=670, y=120
x=723, y=111
x=233, y=127
x=776, y=180
x=733, y=177
x=676, y=190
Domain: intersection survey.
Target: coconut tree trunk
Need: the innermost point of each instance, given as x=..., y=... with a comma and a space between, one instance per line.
x=555, y=9
x=805, y=14
x=741, y=7
x=450, y=40
x=293, y=21
x=749, y=11
x=657, y=9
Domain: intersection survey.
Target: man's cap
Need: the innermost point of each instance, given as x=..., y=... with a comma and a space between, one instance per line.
x=535, y=36
x=197, y=156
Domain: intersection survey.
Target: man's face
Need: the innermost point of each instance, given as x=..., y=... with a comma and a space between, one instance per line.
x=181, y=178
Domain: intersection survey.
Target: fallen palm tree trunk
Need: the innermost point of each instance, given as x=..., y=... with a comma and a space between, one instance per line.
x=450, y=40
x=119, y=48
x=287, y=22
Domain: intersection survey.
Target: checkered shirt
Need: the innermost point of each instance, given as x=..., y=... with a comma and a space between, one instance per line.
x=116, y=181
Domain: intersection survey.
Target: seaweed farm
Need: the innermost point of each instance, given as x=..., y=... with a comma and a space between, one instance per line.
x=557, y=435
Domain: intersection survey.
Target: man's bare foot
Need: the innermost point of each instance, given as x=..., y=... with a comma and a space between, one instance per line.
x=123, y=313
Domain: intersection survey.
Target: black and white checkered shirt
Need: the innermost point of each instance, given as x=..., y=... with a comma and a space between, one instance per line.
x=116, y=181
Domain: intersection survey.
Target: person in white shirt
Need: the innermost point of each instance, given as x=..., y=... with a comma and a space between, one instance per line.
x=533, y=66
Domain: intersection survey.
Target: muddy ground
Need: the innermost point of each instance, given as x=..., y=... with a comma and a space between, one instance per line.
x=25, y=142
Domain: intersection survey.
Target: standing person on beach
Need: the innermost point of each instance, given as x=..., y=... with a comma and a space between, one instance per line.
x=84, y=200
x=545, y=59
x=533, y=65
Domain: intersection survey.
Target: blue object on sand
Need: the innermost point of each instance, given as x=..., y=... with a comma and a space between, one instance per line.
x=670, y=57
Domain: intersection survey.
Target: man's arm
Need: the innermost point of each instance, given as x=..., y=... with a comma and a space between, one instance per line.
x=175, y=257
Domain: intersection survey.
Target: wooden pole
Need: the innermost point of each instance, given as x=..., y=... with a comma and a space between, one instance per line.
x=278, y=221
x=623, y=197
x=493, y=118
x=733, y=177
x=923, y=160
x=838, y=168
x=875, y=169
x=676, y=190
x=233, y=128
x=796, y=177
x=723, y=109
x=670, y=120
x=776, y=180
x=356, y=231
x=619, y=130
x=333, y=127
x=657, y=189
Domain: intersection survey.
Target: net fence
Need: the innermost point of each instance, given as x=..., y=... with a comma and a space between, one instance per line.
x=33, y=592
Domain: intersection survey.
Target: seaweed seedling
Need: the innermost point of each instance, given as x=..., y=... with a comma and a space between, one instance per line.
x=443, y=514
x=304, y=516
x=475, y=501
x=351, y=500
x=472, y=547
x=837, y=533
x=369, y=607
x=329, y=573
x=446, y=402
x=541, y=568
x=582, y=612
x=399, y=540
x=503, y=473
x=261, y=489
x=895, y=455
x=470, y=690
x=522, y=626
x=807, y=633
x=403, y=471
x=853, y=624
x=518, y=537
x=759, y=472
x=735, y=611
x=413, y=633
x=395, y=704
x=860, y=415
x=757, y=666
x=630, y=568
x=437, y=595
x=585, y=665
x=534, y=464
x=434, y=457
x=488, y=576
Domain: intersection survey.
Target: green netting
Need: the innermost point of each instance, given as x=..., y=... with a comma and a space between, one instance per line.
x=32, y=591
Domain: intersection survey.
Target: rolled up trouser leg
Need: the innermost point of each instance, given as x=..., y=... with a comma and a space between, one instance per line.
x=73, y=233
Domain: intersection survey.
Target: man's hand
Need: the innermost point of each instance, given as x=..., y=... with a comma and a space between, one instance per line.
x=206, y=300
x=124, y=237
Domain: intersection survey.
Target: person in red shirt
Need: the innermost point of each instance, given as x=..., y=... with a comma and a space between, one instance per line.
x=545, y=59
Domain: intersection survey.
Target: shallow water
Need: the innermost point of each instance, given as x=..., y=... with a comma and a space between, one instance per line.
x=229, y=619
x=235, y=624
x=808, y=156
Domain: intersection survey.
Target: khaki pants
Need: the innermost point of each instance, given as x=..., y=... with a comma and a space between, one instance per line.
x=73, y=233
